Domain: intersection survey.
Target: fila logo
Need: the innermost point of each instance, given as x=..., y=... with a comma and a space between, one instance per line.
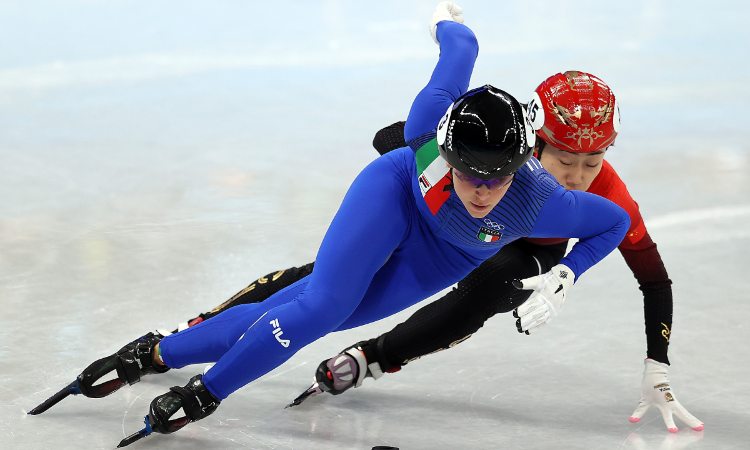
x=277, y=332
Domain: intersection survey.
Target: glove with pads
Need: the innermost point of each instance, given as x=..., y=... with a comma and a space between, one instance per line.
x=546, y=301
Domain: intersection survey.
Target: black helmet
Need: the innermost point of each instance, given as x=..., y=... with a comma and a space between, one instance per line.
x=486, y=134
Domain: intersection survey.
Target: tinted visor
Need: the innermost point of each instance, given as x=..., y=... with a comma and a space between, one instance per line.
x=492, y=184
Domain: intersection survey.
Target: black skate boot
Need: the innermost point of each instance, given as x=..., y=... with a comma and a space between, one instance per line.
x=195, y=401
x=130, y=362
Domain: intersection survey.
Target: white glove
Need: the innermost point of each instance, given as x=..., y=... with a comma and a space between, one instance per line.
x=546, y=301
x=445, y=11
x=655, y=391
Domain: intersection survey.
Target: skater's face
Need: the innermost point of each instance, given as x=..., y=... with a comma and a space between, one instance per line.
x=575, y=171
x=479, y=196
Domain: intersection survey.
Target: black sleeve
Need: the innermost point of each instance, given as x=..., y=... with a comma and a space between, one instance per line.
x=645, y=261
x=389, y=138
x=456, y=316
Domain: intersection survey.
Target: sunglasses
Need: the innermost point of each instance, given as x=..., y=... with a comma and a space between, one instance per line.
x=493, y=184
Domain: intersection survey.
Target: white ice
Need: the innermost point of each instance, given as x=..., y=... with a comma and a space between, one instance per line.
x=156, y=157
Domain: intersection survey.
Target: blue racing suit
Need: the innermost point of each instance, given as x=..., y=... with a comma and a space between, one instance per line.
x=386, y=250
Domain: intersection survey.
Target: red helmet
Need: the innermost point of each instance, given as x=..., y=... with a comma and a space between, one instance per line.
x=576, y=112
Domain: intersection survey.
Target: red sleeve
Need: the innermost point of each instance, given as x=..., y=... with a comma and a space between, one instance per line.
x=609, y=185
x=637, y=248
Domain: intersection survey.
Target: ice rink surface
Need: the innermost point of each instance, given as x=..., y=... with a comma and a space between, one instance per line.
x=156, y=157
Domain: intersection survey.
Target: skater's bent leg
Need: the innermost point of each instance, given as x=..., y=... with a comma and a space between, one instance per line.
x=272, y=340
x=357, y=244
x=210, y=339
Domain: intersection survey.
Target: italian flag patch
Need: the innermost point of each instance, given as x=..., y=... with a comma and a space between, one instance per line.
x=487, y=235
x=434, y=176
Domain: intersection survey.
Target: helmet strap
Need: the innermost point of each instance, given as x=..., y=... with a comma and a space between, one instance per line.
x=449, y=186
x=540, y=144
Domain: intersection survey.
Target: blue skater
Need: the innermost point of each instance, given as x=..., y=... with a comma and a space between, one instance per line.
x=414, y=221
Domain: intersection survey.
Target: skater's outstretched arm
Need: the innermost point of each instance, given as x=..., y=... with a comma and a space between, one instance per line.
x=643, y=259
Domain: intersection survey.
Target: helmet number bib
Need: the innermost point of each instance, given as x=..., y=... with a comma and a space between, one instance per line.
x=536, y=113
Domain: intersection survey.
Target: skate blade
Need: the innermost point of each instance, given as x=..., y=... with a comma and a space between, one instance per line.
x=138, y=435
x=132, y=438
x=310, y=392
x=73, y=388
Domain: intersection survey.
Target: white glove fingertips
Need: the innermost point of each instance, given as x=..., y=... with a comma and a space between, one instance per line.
x=456, y=12
x=535, y=326
x=536, y=321
x=529, y=319
x=666, y=414
x=640, y=410
x=685, y=416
